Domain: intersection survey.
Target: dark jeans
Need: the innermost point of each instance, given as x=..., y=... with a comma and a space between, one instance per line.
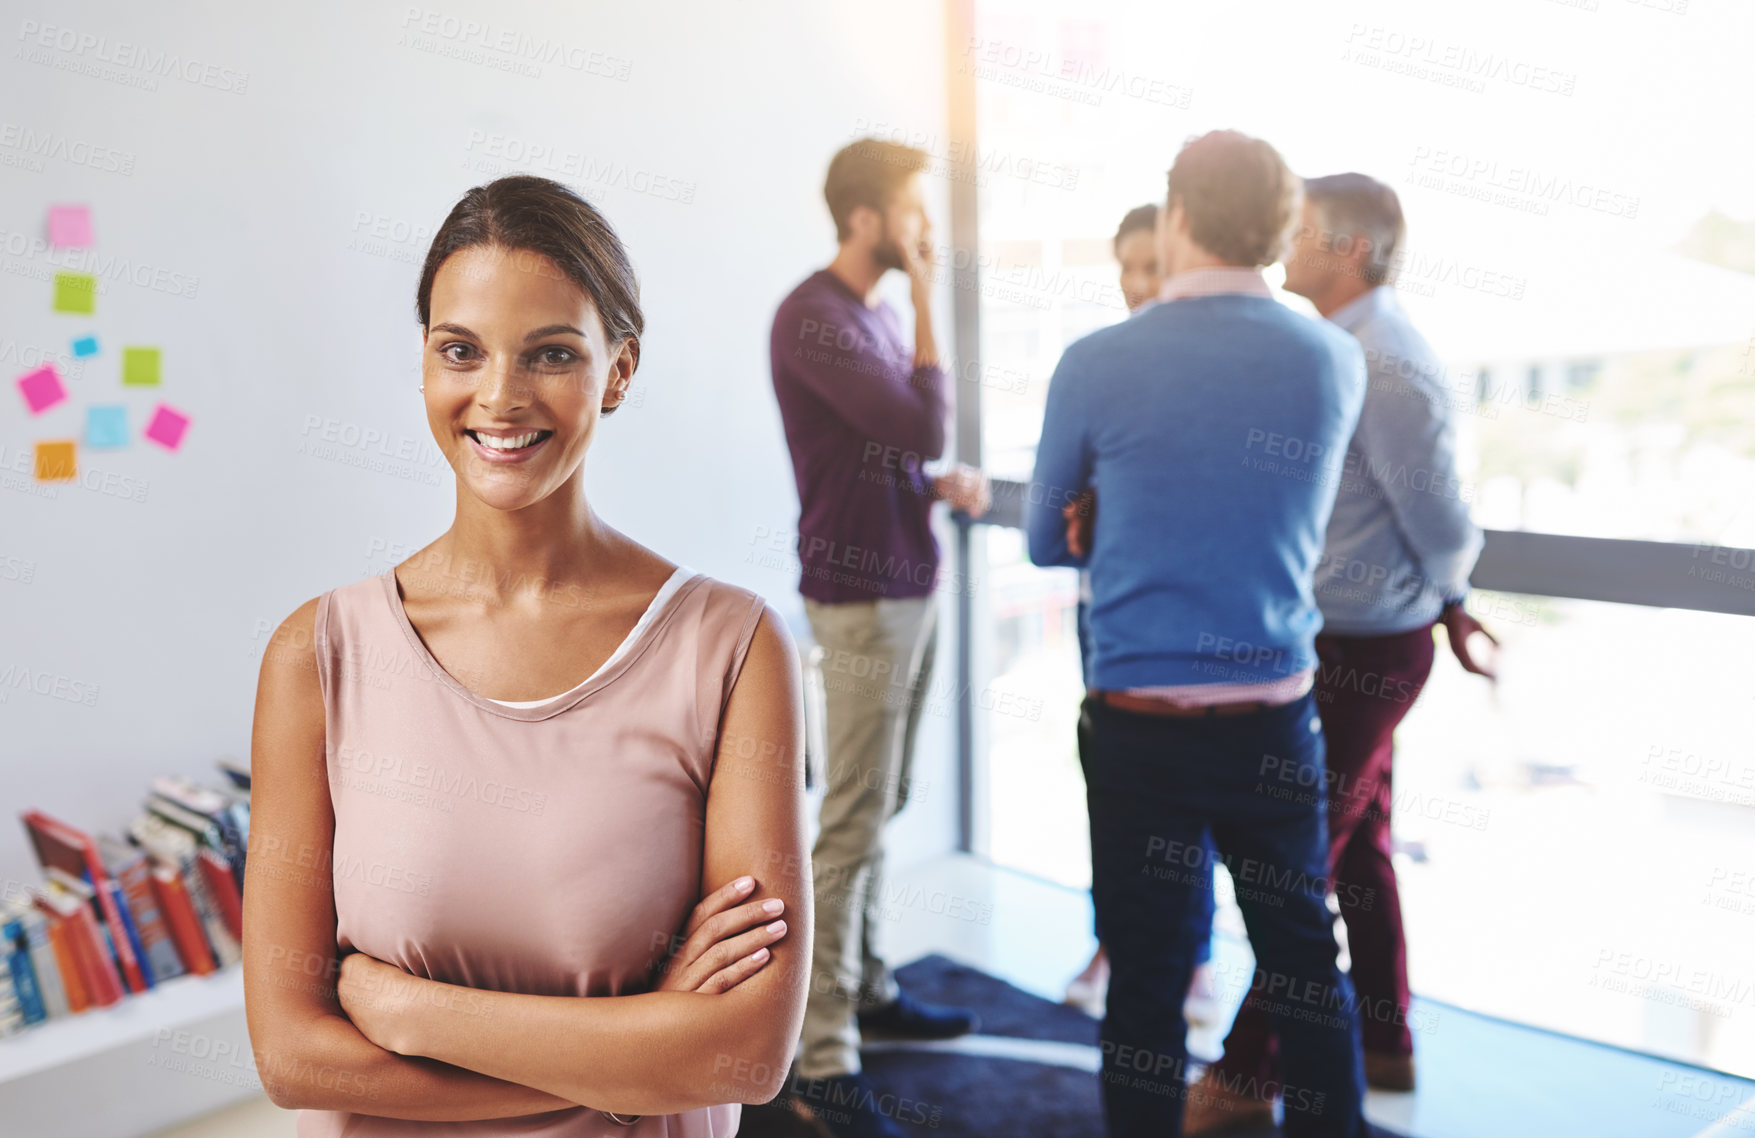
x=1204, y=952
x=1364, y=687
x=1157, y=788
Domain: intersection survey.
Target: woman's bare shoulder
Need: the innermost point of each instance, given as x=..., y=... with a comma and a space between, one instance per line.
x=288, y=687
x=295, y=635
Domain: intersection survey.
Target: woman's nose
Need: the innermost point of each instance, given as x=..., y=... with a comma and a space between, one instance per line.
x=505, y=383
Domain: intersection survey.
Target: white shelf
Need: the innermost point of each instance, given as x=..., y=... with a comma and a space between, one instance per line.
x=168, y=1007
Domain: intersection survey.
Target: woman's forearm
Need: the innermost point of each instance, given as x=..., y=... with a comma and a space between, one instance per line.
x=329, y=1065
x=651, y=1053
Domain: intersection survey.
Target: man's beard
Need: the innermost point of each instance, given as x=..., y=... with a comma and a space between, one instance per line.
x=886, y=252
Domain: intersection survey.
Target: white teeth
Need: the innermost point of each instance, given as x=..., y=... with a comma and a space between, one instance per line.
x=515, y=442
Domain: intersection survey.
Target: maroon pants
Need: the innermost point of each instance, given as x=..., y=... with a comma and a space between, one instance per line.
x=1364, y=686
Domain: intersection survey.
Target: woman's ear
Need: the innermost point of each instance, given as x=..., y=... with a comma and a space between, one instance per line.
x=621, y=375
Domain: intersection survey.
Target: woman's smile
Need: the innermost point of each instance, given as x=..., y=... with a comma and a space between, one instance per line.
x=506, y=445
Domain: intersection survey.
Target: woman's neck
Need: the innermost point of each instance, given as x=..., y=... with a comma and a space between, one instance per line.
x=504, y=555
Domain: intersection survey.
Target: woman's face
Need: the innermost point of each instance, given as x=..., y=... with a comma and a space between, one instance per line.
x=1140, y=279
x=515, y=354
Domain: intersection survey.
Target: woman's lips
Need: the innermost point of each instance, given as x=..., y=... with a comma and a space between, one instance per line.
x=494, y=454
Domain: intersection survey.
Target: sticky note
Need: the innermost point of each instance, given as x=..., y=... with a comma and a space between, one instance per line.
x=41, y=389
x=75, y=292
x=55, y=460
x=106, y=426
x=167, y=426
x=140, y=366
x=85, y=346
x=69, y=226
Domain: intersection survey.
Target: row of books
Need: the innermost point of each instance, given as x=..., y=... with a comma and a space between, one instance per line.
x=120, y=914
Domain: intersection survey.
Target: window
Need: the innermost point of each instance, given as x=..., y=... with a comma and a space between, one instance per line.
x=1609, y=893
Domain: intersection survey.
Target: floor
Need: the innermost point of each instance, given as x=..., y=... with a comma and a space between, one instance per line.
x=1479, y=1077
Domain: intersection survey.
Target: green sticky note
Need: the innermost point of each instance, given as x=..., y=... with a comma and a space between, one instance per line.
x=75, y=292
x=140, y=367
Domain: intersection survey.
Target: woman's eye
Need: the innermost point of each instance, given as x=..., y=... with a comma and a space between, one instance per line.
x=449, y=350
x=558, y=357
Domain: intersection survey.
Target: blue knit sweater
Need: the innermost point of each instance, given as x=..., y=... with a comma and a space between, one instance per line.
x=1214, y=429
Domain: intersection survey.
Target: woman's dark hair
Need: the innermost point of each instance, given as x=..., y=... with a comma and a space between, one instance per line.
x=525, y=213
x=1139, y=217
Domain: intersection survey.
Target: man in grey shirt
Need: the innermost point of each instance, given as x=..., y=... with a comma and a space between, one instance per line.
x=1397, y=557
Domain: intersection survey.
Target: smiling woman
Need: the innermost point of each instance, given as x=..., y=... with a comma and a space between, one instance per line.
x=541, y=914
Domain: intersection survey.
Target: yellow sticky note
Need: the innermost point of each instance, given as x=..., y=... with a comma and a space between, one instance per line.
x=75, y=292
x=55, y=460
x=140, y=366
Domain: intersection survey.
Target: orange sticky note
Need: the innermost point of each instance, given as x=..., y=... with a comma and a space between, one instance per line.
x=55, y=460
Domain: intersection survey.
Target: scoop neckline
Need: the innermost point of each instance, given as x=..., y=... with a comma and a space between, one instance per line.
x=647, y=615
x=631, y=650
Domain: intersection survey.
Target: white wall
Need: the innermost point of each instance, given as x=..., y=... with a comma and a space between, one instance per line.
x=161, y=606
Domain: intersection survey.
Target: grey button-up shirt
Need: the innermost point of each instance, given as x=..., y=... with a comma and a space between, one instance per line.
x=1400, y=541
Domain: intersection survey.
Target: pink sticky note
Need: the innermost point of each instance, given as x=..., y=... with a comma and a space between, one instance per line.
x=69, y=226
x=167, y=426
x=41, y=389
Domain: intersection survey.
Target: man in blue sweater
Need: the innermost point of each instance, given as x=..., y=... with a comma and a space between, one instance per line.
x=1216, y=422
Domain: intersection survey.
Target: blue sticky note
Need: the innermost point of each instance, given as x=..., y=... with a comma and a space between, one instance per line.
x=85, y=346
x=106, y=426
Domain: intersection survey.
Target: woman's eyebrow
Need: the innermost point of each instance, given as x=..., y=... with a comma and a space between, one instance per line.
x=552, y=329
x=549, y=330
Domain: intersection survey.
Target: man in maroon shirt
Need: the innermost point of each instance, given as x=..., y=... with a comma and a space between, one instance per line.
x=864, y=411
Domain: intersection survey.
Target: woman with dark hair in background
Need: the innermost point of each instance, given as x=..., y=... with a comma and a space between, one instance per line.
x=442, y=872
x=1136, y=249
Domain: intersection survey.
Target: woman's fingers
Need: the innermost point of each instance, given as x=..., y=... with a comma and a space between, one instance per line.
x=722, y=926
x=690, y=965
x=736, y=973
x=704, y=956
x=718, y=901
x=730, y=957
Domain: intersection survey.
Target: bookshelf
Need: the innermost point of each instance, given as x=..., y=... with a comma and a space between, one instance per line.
x=168, y=893
x=171, y=1006
x=123, y=1071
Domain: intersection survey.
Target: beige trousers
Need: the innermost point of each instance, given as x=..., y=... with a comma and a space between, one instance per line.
x=876, y=663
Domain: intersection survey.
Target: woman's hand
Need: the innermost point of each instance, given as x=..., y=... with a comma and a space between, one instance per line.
x=724, y=942
x=377, y=996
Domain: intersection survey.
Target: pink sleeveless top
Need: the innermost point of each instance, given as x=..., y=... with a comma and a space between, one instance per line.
x=551, y=850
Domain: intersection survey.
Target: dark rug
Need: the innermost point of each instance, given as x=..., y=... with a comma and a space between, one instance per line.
x=952, y=1095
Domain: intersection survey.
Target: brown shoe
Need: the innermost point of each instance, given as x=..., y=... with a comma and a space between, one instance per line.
x=1215, y=1109
x=1388, y=1072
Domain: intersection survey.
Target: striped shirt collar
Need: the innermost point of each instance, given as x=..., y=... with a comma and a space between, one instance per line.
x=1216, y=280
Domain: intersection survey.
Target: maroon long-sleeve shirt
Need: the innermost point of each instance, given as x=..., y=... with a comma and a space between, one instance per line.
x=860, y=420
